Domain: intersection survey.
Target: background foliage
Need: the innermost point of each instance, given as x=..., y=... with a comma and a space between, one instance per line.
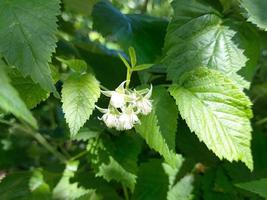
x=206, y=135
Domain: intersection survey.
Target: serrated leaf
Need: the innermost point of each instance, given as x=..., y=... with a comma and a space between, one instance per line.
x=197, y=37
x=152, y=182
x=27, y=37
x=39, y=188
x=182, y=190
x=158, y=134
x=217, y=111
x=11, y=102
x=79, y=95
x=258, y=186
x=65, y=190
x=76, y=65
x=114, y=171
x=172, y=172
x=256, y=12
x=115, y=158
x=31, y=93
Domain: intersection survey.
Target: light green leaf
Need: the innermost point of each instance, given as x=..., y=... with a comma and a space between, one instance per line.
x=114, y=171
x=152, y=182
x=256, y=12
x=76, y=65
x=142, y=67
x=132, y=56
x=182, y=190
x=79, y=95
x=65, y=190
x=172, y=172
x=217, y=111
x=258, y=186
x=11, y=102
x=197, y=37
x=39, y=188
x=158, y=134
x=125, y=62
x=27, y=37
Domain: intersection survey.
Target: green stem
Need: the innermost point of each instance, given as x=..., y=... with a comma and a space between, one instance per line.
x=125, y=192
x=79, y=155
x=128, y=77
x=262, y=121
x=46, y=145
x=37, y=136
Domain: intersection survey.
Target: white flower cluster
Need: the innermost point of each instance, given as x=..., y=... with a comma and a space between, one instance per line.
x=124, y=107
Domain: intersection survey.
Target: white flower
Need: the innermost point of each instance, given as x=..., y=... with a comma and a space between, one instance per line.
x=117, y=97
x=124, y=122
x=143, y=103
x=144, y=106
x=110, y=117
x=127, y=119
x=111, y=120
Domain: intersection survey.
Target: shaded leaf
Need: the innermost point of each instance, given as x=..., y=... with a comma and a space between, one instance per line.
x=158, y=134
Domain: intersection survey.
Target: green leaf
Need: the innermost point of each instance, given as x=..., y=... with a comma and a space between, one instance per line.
x=197, y=37
x=142, y=67
x=15, y=186
x=172, y=172
x=182, y=190
x=31, y=93
x=248, y=39
x=114, y=171
x=258, y=186
x=11, y=102
x=76, y=65
x=27, y=37
x=152, y=182
x=79, y=95
x=39, y=188
x=217, y=111
x=132, y=56
x=144, y=33
x=115, y=158
x=124, y=61
x=256, y=12
x=65, y=190
x=158, y=134
x=80, y=7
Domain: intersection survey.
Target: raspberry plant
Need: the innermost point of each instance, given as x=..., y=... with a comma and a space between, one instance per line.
x=133, y=99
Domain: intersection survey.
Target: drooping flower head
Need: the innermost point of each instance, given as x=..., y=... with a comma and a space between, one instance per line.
x=124, y=107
